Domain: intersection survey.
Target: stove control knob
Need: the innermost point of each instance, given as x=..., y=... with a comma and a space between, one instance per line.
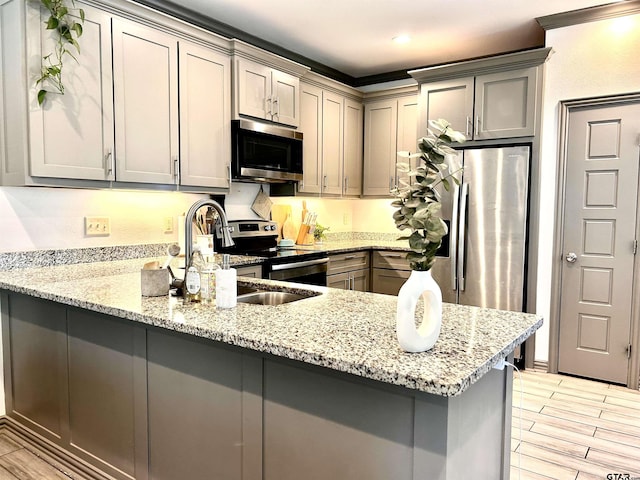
x=273, y=227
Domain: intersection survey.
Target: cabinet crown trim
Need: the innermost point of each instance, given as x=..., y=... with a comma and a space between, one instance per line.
x=482, y=66
x=240, y=49
x=592, y=14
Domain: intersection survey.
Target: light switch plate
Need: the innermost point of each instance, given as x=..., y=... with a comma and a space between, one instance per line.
x=97, y=226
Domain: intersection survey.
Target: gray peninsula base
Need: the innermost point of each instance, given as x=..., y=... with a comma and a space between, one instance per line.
x=141, y=402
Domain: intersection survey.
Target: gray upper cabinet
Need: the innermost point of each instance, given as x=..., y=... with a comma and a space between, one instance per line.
x=389, y=126
x=72, y=134
x=145, y=70
x=498, y=105
x=205, y=116
x=332, y=150
x=311, y=127
x=131, y=87
x=490, y=98
x=353, y=144
x=267, y=93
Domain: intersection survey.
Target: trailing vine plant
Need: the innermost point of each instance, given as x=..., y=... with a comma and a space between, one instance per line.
x=67, y=31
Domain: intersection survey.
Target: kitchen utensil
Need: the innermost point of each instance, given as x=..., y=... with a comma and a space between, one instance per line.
x=279, y=213
x=288, y=228
x=172, y=252
x=262, y=204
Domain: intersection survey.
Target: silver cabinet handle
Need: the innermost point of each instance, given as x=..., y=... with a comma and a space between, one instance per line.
x=268, y=106
x=571, y=257
x=469, y=124
x=176, y=170
x=324, y=182
x=477, y=125
x=276, y=102
x=346, y=184
x=109, y=161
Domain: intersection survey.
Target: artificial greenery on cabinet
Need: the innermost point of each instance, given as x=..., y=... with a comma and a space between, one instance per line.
x=63, y=20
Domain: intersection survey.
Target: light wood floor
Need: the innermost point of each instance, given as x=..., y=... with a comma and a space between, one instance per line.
x=572, y=429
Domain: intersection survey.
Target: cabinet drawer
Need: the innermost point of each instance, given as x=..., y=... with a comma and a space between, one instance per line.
x=388, y=281
x=391, y=259
x=253, y=271
x=345, y=262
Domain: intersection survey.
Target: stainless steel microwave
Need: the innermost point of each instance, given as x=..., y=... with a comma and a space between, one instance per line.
x=265, y=153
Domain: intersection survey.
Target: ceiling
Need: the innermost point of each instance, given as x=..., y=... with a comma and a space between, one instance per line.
x=353, y=37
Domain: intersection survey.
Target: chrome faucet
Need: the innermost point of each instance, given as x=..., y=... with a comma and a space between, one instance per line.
x=227, y=241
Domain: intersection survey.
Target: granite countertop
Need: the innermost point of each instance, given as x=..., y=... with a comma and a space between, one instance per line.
x=348, y=331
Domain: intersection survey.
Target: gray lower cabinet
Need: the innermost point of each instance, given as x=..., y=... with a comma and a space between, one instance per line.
x=349, y=271
x=389, y=271
x=253, y=271
x=195, y=409
x=140, y=402
x=76, y=378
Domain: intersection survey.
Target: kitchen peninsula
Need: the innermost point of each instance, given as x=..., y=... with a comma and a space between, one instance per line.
x=318, y=388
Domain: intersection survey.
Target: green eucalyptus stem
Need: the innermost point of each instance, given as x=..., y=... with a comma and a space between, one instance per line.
x=67, y=31
x=418, y=202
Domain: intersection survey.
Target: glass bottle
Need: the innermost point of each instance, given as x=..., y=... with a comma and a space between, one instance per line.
x=208, y=279
x=192, y=279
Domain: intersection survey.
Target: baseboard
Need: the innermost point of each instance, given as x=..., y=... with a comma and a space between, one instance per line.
x=53, y=454
x=540, y=365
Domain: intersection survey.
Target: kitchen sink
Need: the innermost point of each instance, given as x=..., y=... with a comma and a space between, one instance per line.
x=254, y=296
x=270, y=298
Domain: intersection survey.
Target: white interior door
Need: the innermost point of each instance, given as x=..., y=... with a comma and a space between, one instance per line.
x=599, y=238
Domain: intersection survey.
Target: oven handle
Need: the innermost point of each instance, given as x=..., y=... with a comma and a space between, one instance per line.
x=288, y=266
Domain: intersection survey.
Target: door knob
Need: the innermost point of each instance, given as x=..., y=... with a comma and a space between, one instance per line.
x=571, y=257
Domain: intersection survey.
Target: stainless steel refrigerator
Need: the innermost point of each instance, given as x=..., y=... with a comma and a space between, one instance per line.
x=483, y=260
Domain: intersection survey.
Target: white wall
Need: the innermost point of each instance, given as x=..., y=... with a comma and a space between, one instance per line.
x=589, y=60
x=34, y=218
x=345, y=215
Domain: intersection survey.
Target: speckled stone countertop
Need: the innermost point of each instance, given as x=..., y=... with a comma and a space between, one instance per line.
x=347, y=331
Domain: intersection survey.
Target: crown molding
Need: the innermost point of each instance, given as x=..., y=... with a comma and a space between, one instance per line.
x=592, y=14
x=482, y=66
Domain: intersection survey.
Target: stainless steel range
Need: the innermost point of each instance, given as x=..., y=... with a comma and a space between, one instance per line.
x=260, y=238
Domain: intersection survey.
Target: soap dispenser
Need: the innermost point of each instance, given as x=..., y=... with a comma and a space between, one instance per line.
x=226, y=285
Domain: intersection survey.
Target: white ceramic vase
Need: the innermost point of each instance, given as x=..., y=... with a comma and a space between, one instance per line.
x=422, y=338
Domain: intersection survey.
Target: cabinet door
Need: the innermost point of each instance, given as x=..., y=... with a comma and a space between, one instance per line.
x=407, y=132
x=253, y=271
x=311, y=127
x=35, y=364
x=360, y=280
x=505, y=104
x=332, y=143
x=450, y=100
x=339, y=280
x=253, y=89
x=205, y=116
x=195, y=409
x=353, y=143
x=107, y=390
x=285, y=104
x=380, y=123
x=146, y=103
x=388, y=281
x=72, y=134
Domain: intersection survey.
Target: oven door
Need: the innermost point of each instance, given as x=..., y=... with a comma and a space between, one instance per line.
x=310, y=271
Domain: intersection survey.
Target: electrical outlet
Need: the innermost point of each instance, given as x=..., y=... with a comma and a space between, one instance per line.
x=97, y=226
x=168, y=224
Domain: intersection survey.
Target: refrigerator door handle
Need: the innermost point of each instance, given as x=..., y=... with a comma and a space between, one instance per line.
x=453, y=239
x=461, y=260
